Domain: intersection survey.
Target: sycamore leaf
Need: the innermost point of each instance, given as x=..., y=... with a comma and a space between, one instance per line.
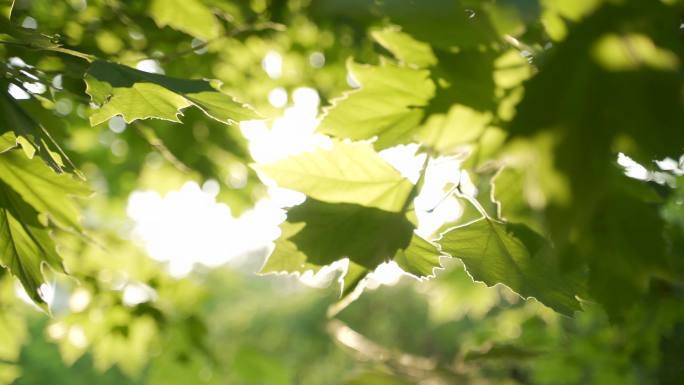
x=347, y=173
x=387, y=105
x=141, y=101
x=221, y=106
x=286, y=257
x=42, y=188
x=365, y=235
x=420, y=258
x=405, y=48
x=133, y=94
x=25, y=244
x=318, y=233
x=515, y=256
x=189, y=16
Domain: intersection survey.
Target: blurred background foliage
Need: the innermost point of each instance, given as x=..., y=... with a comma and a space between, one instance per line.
x=123, y=318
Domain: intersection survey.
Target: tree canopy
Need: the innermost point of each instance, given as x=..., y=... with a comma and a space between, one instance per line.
x=481, y=191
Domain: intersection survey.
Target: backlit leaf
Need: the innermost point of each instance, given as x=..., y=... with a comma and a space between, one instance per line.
x=405, y=48
x=189, y=16
x=42, y=188
x=133, y=94
x=347, y=173
x=25, y=245
x=387, y=105
x=495, y=252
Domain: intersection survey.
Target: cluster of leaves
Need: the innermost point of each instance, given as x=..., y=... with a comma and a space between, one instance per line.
x=535, y=98
x=549, y=106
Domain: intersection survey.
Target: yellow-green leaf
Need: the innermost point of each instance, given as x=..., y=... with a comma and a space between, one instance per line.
x=387, y=105
x=189, y=16
x=347, y=173
x=513, y=255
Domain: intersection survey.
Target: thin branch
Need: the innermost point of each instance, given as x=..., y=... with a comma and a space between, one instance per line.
x=410, y=365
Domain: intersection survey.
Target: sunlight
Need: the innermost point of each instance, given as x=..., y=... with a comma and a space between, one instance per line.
x=188, y=227
x=273, y=64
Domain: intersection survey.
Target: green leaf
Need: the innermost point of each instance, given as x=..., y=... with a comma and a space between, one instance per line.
x=405, y=48
x=222, y=107
x=141, y=101
x=466, y=78
x=18, y=125
x=365, y=235
x=25, y=245
x=49, y=193
x=9, y=373
x=571, y=9
x=446, y=133
x=189, y=16
x=318, y=233
x=625, y=248
x=446, y=25
x=600, y=108
x=513, y=193
x=387, y=105
x=287, y=258
x=346, y=173
x=133, y=94
x=8, y=141
x=420, y=258
x=515, y=256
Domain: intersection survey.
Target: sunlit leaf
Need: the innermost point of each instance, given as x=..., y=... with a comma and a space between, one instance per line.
x=133, y=94
x=25, y=243
x=365, y=235
x=347, y=173
x=420, y=258
x=189, y=16
x=386, y=105
x=462, y=125
x=495, y=252
x=17, y=124
x=48, y=192
x=407, y=49
x=8, y=141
